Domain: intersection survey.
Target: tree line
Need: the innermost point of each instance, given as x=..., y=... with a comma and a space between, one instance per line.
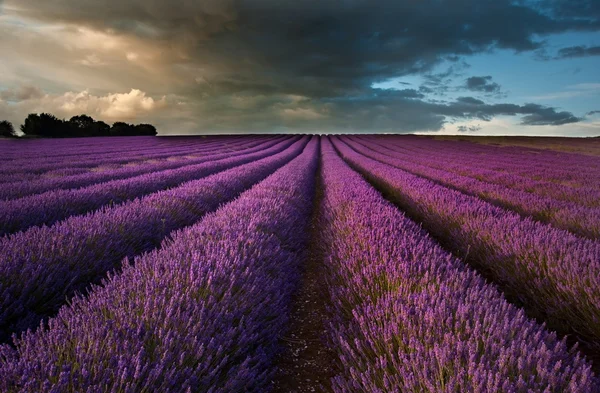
x=49, y=126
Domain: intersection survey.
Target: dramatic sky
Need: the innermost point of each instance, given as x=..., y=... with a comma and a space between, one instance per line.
x=529, y=67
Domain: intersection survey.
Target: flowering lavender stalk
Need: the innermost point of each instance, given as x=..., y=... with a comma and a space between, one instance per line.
x=552, y=273
x=202, y=314
x=28, y=187
x=42, y=267
x=581, y=220
x=52, y=206
x=409, y=317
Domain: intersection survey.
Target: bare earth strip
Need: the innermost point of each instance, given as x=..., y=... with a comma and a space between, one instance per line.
x=305, y=363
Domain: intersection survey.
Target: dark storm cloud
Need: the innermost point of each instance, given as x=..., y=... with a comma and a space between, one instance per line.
x=547, y=116
x=578, y=51
x=470, y=101
x=311, y=47
x=409, y=93
x=256, y=53
x=470, y=108
x=482, y=83
x=586, y=11
x=593, y=113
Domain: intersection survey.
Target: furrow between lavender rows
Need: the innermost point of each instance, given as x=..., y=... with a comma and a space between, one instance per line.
x=203, y=313
x=553, y=274
x=41, y=267
x=474, y=166
x=580, y=220
x=409, y=317
x=26, y=188
x=52, y=206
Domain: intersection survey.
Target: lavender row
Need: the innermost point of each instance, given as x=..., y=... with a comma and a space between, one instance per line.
x=46, y=145
x=25, y=188
x=62, y=172
x=561, y=177
x=34, y=169
x=552, y=273
x=474, y=166
x=42, y=267
x=570, y=169
x=581, y=220
x=562, y=169
x=38, y=166
x=540, y=158
x=95, y=159
x=202, y=314
x=64, y=167
x=110, y=154
x=52, y=206
x=58, y=148
x=408, y=317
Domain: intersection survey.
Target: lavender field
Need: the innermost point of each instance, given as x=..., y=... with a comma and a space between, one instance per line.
x=300, y=263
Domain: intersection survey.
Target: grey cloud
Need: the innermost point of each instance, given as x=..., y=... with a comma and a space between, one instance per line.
x=534, y=114
x=408, y=93
x=547, y=116
x=587, y=11
x=482, y=83
x=439, y=83
x=578, y=51
x=22, y=93
x=469, y=128
x=593, y=113
x=470, y=101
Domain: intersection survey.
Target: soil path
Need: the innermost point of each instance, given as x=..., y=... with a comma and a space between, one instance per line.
x=306, y=364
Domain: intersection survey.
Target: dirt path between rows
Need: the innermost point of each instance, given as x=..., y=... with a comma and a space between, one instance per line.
x=306, y=364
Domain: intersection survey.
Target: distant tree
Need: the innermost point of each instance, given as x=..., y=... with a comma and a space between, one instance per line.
x=31, y=125
x=84, y=125
x=45, y=125
x=53, y=127
x=82, y=122
x=49, y=126
x=122, y=129
x=145, y=129
x=101, y=128
x=7, y=130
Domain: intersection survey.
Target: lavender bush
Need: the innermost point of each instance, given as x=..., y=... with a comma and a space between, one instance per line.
x=411, y=318
x=202, y=314
x=42, y=267
x=52, y=206
x=554, y=274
